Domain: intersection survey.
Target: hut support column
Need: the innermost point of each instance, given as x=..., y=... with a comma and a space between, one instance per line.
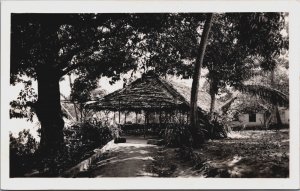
x=187, y=117
x=145, y=124
x=159, y=116
x=136, y=117
x=107, y=115
x=180, y=117
x=119, y=114
x=125, y=118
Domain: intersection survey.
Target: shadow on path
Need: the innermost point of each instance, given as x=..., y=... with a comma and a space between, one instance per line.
x=131, y=159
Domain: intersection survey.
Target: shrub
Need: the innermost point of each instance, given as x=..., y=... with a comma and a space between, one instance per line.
x=21, y=150
x=94, y=133
x=176, y=135
x=88, y=132
x=216, y=128
x=80, y=141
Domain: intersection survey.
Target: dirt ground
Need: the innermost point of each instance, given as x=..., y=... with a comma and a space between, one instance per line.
x=245, y=154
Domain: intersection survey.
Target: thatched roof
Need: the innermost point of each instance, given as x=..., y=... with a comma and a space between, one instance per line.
x=204, y=98
x=244, y=103
x=149, y=92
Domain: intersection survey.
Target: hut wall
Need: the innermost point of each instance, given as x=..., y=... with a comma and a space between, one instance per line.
x=259, y=120
x=284, y=114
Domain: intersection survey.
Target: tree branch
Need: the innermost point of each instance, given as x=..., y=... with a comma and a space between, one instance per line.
x=76, y=65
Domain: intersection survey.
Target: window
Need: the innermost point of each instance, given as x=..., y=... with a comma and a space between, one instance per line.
x=252, y=117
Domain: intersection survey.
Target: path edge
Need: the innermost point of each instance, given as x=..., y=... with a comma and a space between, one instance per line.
x=85, y=164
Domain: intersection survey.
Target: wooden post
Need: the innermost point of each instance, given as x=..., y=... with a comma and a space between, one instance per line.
x=107, y=115
x=136, y=117
x=187, y=117
x=159, y=115
x=125, y=117
x=119, y=114
x=166, y=116
x=179, y=118
x=145, y=124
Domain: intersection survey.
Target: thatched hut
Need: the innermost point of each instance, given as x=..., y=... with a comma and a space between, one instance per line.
x=150, y=98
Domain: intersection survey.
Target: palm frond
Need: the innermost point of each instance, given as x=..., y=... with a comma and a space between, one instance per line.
x=269, y=94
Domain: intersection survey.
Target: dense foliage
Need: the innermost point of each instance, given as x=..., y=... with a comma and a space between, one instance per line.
x=80, y=140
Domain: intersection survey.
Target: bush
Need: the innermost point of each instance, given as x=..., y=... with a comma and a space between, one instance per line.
x=80, y=141
x=21, y=150
x=177, y=135
x=216, y=128
x=95, y=133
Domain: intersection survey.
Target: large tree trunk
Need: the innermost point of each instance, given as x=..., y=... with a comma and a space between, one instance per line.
x=195, y=85
x=48, y=109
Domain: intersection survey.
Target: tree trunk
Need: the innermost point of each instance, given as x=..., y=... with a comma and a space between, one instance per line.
x=278, y=118
x=196, y=78
x=48, y=110
x=213, y=90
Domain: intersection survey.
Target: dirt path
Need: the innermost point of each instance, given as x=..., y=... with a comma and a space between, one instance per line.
x=131, y=159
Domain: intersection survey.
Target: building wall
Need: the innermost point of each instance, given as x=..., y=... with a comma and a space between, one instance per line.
x=285, y=116
x=244, y=118
x=259, y=120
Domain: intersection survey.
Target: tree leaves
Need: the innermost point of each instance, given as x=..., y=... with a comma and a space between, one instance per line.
x=22, y=106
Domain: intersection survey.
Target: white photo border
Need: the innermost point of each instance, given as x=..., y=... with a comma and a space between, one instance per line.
x=142, y=6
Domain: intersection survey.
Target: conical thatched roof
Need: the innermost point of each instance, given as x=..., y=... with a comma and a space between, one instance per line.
x=146, y=93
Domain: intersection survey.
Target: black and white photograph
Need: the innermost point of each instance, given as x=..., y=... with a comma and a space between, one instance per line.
x=158, y=95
